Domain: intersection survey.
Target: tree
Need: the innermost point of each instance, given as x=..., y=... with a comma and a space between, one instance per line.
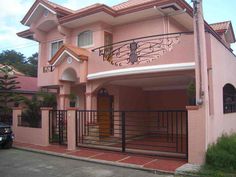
x=8, y=85
x=31, y=116
x=11, y=57
x=33, y=65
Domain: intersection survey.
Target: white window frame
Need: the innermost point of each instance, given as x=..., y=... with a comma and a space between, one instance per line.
x=86, y=46
x=50, y=47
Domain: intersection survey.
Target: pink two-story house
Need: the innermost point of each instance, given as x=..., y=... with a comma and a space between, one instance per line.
x=130, y=67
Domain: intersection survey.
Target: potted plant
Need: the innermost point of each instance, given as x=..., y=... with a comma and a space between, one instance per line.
x=72, y=98
x=191, y=92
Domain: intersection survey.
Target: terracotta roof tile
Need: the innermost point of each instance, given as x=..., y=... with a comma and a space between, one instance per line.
x=88, y=7
x=129, y=3
x=27, y=83
x=54, y=5
x=221, y=26
x=80, y=53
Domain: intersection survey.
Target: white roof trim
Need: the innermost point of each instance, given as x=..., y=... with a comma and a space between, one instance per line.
x=40, y=4
x=142, y=70
x=68, y=53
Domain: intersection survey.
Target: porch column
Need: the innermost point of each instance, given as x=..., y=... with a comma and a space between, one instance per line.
x=71, y=129
x=45, y=125
x=88, y=101
x=196, y=135
x=64, y=92
x=15, y=113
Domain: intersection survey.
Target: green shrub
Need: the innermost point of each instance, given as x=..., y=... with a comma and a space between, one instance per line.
x=222, y=155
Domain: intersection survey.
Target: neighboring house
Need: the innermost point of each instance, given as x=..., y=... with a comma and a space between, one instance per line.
x=138, y=56
x=27, y=85
x=27, y=88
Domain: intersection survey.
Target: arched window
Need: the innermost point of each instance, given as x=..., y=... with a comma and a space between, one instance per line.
x=85, y=39
x=229, y=98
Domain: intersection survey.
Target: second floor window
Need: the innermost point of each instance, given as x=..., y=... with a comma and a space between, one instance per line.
x=55, y=46
x=85, y=39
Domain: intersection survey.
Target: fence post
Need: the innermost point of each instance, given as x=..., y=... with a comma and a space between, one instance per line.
x=45, y=125
x=196, y=135
x=71, y=128
x=123, y=131
x=15, y=113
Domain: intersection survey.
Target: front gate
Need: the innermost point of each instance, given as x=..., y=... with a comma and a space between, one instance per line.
x=150, y=132
x=58, y=127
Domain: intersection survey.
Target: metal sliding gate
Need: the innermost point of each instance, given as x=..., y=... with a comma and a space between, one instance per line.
x=58, y=127
x=149, y=132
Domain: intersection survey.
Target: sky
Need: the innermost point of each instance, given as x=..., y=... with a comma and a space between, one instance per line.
x=13, y=11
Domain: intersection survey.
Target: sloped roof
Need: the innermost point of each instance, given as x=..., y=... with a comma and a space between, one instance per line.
x=53, y=6
x=129, y=3
x=27, y=84
x=221, y=26
x=79, y=53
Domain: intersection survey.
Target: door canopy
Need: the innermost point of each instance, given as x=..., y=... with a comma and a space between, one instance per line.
x=74, y=52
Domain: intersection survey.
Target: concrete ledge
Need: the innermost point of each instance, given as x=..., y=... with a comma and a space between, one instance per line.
x=192, y=107
x=46, y=108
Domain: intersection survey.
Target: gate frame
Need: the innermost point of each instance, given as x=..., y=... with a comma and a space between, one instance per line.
x=61, y=120
x=123, y=133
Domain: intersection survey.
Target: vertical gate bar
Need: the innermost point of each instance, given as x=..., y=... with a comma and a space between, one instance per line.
x=177, y=144
x=181, y=127
x=83, y=126
x=123, y=131
x=76, y=130
x=186, y=113
x=172, y=126
x=49, y=124
x=58, y=122
x=167, y=115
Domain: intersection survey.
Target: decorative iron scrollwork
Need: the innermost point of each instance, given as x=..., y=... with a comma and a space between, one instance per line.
x=47, y=69
x=139, y=50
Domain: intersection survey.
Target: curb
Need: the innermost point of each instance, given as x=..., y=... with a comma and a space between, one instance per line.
x=103, y=162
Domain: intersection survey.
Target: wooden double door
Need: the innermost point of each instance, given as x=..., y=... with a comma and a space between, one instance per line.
x=105, y=114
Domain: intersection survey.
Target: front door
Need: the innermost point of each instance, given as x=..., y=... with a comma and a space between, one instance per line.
x=105, y=118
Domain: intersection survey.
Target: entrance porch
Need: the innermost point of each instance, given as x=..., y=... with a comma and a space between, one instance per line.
x=141, y=114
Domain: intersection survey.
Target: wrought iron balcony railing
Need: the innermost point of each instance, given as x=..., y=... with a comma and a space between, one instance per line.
x=139, y=50
x=47, y=69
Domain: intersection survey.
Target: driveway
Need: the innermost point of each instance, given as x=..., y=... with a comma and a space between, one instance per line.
x=18, y=163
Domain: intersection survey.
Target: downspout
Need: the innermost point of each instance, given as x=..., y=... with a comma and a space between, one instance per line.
x=198, y=50
x=202, y=93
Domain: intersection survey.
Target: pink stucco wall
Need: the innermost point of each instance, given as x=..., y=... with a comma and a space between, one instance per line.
x=37, y=136
x=223, y=72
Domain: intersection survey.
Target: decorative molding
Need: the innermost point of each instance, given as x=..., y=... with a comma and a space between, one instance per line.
x=142, y=70
x=40, y=4
x=181, y=87
x=68, y=53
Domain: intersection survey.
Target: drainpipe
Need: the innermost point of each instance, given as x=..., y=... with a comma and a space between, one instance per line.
x=200, y=53
x=201, y=73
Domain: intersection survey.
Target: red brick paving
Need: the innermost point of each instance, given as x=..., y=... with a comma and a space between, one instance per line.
x=150, y=162
x=110, y=156
x=165, y=164
x=137, y=160
x=85, y=153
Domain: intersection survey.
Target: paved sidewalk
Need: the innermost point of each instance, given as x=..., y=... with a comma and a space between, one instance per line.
x=149, y=163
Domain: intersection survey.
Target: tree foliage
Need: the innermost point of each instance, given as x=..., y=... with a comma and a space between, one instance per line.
x=32, y=115
x=28, y=66
x=8, y=85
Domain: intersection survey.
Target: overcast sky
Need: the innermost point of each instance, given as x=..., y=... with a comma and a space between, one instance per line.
x=12, y=12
